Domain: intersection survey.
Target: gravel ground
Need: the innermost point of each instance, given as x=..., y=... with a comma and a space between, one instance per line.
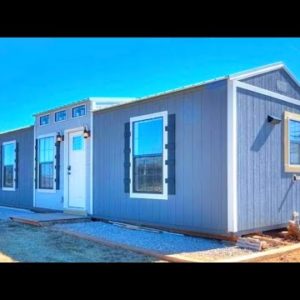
x=26, y=243
x=6, y=212
x=165, y=243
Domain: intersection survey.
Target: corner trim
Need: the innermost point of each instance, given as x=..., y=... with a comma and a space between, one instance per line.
x=232, y=156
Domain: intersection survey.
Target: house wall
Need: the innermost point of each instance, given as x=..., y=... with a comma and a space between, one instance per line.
x=22, y=197
x=267, y=196
x=270, y=80
x=200, y=202
x=55, y=200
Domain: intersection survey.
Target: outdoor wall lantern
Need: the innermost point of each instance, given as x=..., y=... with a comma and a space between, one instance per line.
x=59, y=137
x=273, y=120
x=86, y=132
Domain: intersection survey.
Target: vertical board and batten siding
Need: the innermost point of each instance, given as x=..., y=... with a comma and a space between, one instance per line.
x=267, y=196
x=269, y=81
x=200, y=201
x=22, y=197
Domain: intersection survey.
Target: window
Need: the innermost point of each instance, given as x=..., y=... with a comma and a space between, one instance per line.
x=148, y=170
x=44, y=120
x=77, y=143
x=60, y=116
x=8, y=165
x=78, y=111
x=292, y=142
x=46, y=162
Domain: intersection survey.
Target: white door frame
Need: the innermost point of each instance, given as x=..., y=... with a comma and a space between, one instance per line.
x=65, y=168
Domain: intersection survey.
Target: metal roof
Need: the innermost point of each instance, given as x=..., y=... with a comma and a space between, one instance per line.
x=16, y=129
x=238, y=75
x=102, y=100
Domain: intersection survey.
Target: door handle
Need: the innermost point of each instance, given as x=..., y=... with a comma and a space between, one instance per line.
x=69, y=168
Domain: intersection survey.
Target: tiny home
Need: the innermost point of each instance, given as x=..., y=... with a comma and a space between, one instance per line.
x=219, y=157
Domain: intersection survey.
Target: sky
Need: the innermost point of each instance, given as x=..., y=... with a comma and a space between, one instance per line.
x=38, y=74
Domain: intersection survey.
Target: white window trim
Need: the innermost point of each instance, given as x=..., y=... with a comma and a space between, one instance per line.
x=12, y=189
x=76, y=107
x=54, y=177
x=288, y=167
x=59, y=112
x=39, y=120
x=164, y=195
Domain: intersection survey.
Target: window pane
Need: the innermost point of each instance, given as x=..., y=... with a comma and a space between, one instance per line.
x=8, y=164
x=294, y=154
x=46, y=162
x=294, y=136
x=78, y=111
x=60, y=116
x=8, y=176
x=44, y=120
x=9, y=154
x=294, y=131
x=46, y=175
x=77, y=143
x=147, y=156
x=148, y=137
x=148, y=175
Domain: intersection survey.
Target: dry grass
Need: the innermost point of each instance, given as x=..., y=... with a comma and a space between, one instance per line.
x=25, y=243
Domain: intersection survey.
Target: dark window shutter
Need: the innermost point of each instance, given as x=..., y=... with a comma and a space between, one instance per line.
x=1, y=165
x=57, y=165
x=127, y=157
x=36, y=164
x=171, y=154
x=17, y=165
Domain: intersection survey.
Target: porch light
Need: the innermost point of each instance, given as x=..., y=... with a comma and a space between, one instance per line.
x=86, y=133
x=273, y=120
x=59, y=137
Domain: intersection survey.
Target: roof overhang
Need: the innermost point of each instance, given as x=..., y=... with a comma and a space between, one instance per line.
x=262, y=70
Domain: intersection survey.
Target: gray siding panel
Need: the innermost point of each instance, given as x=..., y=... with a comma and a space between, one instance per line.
x=22, y=197
x=200, y=202
x=269, y=80
x=266, y=194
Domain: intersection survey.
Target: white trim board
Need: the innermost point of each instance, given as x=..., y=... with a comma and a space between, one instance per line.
x=265, y=92
x=91, y=208
x=232, y=157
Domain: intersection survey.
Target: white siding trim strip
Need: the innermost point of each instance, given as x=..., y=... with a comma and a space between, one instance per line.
x=232, y=156
x=265, y=92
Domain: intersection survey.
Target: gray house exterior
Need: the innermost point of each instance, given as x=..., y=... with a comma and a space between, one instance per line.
x=200, y=156
x=19, y=192
x=229, y=167
x=221, y=157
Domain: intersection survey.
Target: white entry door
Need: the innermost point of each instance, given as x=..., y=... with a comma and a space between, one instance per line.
x=77, y=170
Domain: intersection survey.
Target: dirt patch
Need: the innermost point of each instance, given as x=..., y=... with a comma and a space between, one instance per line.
x=25, y=243
x=288, y=257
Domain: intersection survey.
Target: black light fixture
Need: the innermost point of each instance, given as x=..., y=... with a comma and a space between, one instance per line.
x=86, y=132
x=273, y=120
x=59, y=137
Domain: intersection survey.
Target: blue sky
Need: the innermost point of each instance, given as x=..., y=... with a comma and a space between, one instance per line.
x=41, y=73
